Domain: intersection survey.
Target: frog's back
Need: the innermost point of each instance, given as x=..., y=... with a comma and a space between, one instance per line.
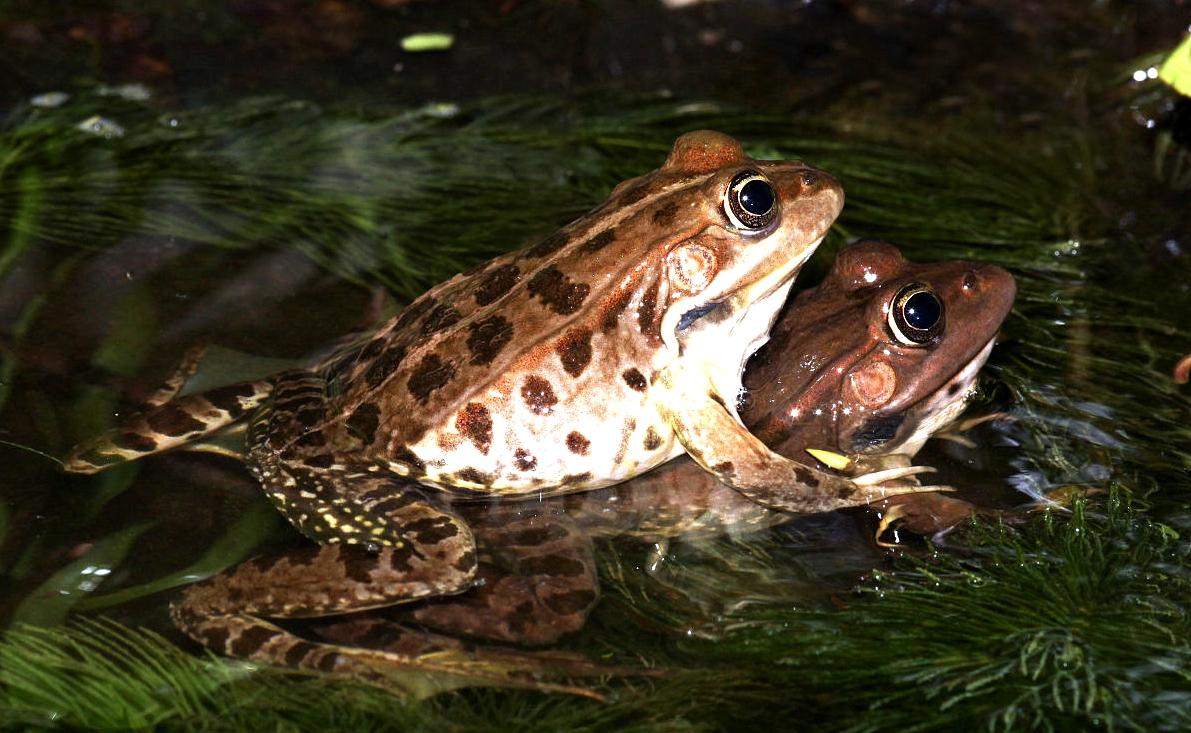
x=531, y=366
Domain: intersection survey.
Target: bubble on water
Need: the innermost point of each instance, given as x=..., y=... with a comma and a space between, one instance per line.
x=101, y=126
x=49, y=99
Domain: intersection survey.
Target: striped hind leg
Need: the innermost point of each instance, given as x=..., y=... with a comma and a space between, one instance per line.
x=167, y=426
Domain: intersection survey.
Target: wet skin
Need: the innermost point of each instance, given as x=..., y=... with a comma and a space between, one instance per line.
x=581, y=361
x=536, y=577
x=835, y=377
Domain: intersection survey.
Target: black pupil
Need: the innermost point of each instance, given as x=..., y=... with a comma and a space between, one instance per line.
x=756, y=197
x=922, y=310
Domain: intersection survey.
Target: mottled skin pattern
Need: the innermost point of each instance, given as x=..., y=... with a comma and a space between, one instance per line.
x=588, y=358
x=536, y=565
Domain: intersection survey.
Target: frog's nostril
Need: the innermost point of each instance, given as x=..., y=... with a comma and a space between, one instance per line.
x=809, y=178
x=970, y=281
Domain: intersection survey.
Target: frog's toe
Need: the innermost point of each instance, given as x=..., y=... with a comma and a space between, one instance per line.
x=876, y=478
x=875, y=494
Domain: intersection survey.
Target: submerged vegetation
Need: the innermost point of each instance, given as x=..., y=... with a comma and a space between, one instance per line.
x=1071, y=619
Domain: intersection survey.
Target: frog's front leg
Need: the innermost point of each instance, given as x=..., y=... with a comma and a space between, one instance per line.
x=716, y=439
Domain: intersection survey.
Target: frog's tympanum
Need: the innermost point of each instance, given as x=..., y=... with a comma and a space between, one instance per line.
x=589, y=358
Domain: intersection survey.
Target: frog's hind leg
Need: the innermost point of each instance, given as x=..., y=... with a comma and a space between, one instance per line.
x=536, y=581
x=167, y=426
x=230, y=612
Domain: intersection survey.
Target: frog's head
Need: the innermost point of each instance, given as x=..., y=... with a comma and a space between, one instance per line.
x=733, y=232
x=882, y=354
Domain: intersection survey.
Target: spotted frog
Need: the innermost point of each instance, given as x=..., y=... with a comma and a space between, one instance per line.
x=581, y=361
x=873, y=361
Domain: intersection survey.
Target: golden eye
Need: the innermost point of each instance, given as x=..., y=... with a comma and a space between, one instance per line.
x=751, y=202
x=916, y=315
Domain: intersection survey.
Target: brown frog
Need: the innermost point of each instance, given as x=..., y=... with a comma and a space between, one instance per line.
x=589, y=358
x=870, y=363
x=536, y=579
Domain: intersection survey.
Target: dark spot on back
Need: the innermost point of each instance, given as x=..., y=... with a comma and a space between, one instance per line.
x=574, y=350
x=475, y=423
x=547, y=246
x=538, y=395
x=372, y=348
x=364, y=421
x=614, y=308
x=576, y=443
x=570, y=602
x=664, y=216
x=556, y=290
x=877, y=431
x=251, y=640
x=474, y=476
x=645, y=310
x=442, y=316
x=488, y=337
x=953, y=389
x=384, y=365
x=635, y=379
x=523, y=460
x=633, y=194
x=725, y=469
x=652, y=439
x=173, y=420
x=496, y=283
x=599, y=241
x=431, y=373
x=413, y=312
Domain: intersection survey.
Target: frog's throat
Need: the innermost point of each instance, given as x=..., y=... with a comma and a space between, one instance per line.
x=944, y=405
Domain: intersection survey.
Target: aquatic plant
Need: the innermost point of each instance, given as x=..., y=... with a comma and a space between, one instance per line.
x=1073, y=619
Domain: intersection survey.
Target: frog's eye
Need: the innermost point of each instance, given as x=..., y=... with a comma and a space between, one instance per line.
x=916, y=315
x=751, y=202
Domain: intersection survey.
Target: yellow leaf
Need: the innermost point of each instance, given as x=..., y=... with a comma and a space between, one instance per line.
x=834, y=460
x=1176, y=70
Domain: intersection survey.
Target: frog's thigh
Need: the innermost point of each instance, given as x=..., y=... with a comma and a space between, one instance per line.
x=717, y=441
x=228, y=612
x=536, y=582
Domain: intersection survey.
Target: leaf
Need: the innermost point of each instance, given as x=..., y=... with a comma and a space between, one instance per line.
x=1176, y=69
x=241, y=538
x=53, y=600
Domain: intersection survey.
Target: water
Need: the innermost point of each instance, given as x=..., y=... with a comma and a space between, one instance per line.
x=275, y=165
